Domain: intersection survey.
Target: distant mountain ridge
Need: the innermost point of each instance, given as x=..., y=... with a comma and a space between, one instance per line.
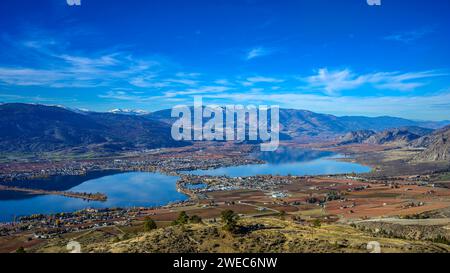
x=128, y=112
x=437, y=146
x=38, y=128
x=386, y=122
x=356, y=137
x=302, y=123
x=401, y=136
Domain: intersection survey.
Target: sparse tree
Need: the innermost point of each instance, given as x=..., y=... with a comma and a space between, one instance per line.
x=21, y=250
x=316, y=223
x=182, y=219
x=149, y=224
x=195, y=219
x=282, y=214
x=230, y=219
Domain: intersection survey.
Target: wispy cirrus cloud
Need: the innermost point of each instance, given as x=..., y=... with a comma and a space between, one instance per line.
x=155, y=81
x=49, y=68
x=52, y=64
x=148, y=81
x=259, y=79
x=172, y=95
x=31, y=77
x=120, y=95
x=223, y=82
x=204, y=90
x=258, y=52
x=334, y=81
x=188, y=74
x=188, y=82
x=410, y=36
x=62, y=75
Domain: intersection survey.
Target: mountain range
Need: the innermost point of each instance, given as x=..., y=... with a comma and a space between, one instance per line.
x=306, y=124
x=435, y=143
x=403, y=135
x=128, y=112
x=39, y=128
x=437, y=146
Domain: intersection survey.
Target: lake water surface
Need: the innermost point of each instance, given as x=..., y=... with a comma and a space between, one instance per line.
x=138, y=189
x=286, y=161
x=135, y=189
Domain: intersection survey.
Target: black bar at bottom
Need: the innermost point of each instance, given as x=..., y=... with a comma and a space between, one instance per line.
x=231, y=262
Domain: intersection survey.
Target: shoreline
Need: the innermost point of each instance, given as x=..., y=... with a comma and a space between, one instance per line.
x=192, y=195
x=80, y=195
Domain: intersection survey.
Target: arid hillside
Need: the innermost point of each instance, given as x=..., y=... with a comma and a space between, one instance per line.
x=438, y=146
x=263, y=235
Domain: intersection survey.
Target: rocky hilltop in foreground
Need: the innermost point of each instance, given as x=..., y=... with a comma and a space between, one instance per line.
x=263, y=235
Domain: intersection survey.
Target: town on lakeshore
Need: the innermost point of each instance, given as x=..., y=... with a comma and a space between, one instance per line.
x=355, y=199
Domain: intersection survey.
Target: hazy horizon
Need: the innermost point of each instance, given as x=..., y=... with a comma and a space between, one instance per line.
x=131, y=110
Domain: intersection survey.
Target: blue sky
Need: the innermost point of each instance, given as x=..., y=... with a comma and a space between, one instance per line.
x=336, y=57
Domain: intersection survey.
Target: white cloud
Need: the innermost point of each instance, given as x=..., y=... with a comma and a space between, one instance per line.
x=257, y=52
x=205, y=90
x=331, y=82
x=29, y=77
x=154, y=81
x=107, y=69
x=120, y=95
x=183, y=81
x=222, y=82
x=409, y=36
x=148, y=82
x=187, y=75
x=81, y=70
x=102, y=61
x=255, y=80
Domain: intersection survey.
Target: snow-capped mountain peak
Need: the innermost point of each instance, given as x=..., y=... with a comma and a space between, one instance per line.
x=128, y=111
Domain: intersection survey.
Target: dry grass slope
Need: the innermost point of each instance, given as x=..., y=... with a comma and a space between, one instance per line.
x=266, y=235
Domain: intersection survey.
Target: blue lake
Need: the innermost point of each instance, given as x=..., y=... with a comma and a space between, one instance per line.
x=134, y=189
x=290, y=162
x=137, y=189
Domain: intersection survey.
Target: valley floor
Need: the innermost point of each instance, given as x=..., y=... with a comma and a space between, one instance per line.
x=402, y=205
